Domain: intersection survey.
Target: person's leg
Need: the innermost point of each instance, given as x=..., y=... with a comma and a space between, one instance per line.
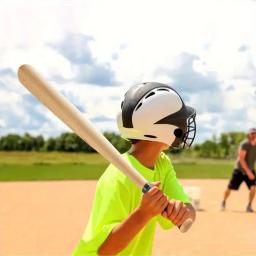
x=251, y=197
x=251, y=184
x=252, y=194
x=234, y=184
x=226, y=195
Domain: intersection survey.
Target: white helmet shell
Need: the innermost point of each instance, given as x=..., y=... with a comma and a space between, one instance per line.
x=155, y=112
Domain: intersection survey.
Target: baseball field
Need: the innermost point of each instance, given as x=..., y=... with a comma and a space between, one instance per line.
x=47, y=218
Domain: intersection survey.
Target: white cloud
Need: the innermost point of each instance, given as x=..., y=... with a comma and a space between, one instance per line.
x=132, y=40
x=2, y=123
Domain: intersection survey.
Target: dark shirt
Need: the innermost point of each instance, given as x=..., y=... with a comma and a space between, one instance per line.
x=250, y=157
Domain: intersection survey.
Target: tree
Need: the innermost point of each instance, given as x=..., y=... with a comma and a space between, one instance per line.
x=28, y=142
x=11, y=142
x=209, y=149
x=70, y=142
x=118, y=142
x=224, y=146
x=39, y=142
x=50, y=144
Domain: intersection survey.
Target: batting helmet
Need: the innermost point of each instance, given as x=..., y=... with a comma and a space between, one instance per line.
x=156, y=112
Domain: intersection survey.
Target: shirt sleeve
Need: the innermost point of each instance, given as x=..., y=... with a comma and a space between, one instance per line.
x=244, y=146
x=174, y=190
x=109, y=209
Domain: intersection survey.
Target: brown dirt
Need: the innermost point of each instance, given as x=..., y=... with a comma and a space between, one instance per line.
x=48, y=218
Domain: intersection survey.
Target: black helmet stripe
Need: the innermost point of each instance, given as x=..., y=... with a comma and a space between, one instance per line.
x=134, y=95
x=179, y=117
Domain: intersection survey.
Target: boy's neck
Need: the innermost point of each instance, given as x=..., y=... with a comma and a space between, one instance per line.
x=146, y=153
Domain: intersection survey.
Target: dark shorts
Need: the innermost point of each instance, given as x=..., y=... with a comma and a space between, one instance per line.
x=238, y=177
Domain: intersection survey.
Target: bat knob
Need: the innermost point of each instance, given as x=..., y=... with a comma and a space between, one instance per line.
x=146, y=188
x=186, y=225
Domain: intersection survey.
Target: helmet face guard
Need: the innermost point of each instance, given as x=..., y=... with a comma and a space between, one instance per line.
x=190, y=134
x=186, y=133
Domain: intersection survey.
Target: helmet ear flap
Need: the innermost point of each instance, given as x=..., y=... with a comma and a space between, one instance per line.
x=179, y=136
x=178, y=133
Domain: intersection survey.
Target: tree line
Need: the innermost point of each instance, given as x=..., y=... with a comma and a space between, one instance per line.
x=66, y=142
x=225, y=146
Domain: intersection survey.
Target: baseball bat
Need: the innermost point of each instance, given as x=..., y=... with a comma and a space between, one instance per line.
x=77, y=122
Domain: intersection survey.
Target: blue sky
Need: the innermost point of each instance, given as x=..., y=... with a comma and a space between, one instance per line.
x=93, y=51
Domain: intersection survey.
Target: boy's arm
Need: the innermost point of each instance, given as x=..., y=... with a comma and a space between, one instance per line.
x=123, y=233
x=152, y=204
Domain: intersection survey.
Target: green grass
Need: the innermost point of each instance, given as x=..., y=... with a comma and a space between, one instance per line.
x=28, y=158
x=51, y=172
x=203, y=171
x=201, y=168
x=22, y=166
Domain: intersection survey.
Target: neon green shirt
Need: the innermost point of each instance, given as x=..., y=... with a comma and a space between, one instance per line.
x=116, y=197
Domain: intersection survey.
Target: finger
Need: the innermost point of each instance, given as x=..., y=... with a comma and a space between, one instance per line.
x=152, y=191
x=183, y=219
x=157, y=196
x=163, y=207
x=170, y=207
x=162, y=202
x=162, y=199
x=176, y=210
x=152, y=199
x=164, y=214
x=156, y=183
x=178, y=220
x=155, y=187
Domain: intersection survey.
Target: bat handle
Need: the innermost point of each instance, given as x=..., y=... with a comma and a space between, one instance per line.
x=186, y=225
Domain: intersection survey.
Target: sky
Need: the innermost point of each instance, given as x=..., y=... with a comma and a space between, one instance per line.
x=94, y=51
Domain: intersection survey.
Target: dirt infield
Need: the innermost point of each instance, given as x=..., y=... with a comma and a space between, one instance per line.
x=48, y=218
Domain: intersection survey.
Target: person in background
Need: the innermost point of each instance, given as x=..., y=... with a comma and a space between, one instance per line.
x=244, y=170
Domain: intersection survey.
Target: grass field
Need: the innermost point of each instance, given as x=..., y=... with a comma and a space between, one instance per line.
x=22, y=166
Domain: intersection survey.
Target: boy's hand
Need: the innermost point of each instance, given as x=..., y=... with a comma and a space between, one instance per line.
x=177, y=212
x=153, y=202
